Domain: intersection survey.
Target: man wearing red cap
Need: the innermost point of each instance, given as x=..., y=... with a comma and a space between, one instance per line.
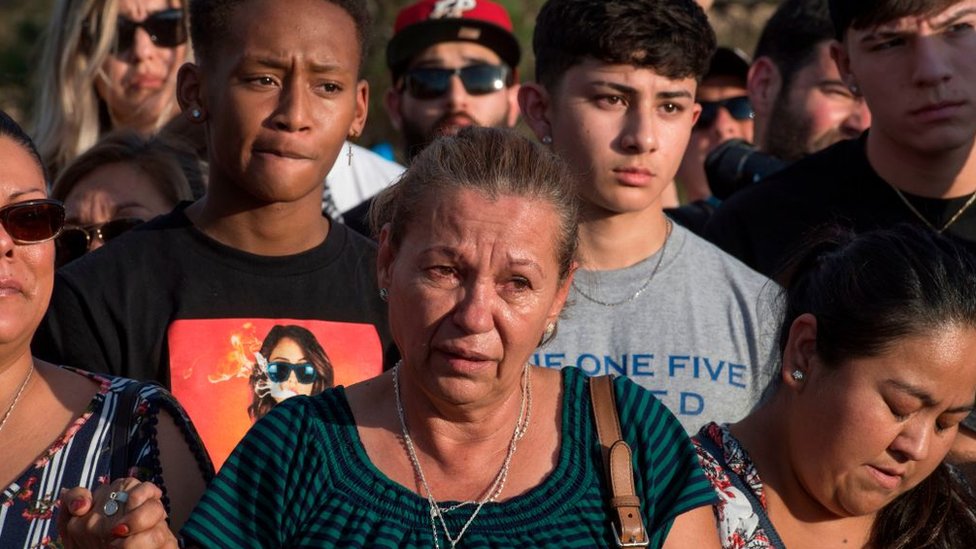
x=454, y=63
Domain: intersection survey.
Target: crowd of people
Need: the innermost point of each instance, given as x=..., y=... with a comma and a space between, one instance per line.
x=225, y=324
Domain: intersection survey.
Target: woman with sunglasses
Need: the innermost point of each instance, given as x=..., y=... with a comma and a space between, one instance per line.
x=291, y=362
x=107, y=64
x=121, y=182
x=57, y=424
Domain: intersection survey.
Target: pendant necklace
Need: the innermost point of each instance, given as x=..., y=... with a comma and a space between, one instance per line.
x=660, y=258
x=972, y=198
x=494, y=491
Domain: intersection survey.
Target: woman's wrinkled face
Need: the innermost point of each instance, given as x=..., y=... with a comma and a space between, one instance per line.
x=472, y=287
x=26, y=270
x=873, y=428
x=138, y=83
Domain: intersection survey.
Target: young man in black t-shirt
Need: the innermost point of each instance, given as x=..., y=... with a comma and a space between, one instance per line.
x=193, y=298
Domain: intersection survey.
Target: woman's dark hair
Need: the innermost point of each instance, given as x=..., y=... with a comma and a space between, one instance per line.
x=494, y=162
x=11, y=129
x=672, y=38
x=313, y=352
x=868, y=291
x=209, y=20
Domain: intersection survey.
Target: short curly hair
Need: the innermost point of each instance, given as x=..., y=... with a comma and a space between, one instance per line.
x=209, y=20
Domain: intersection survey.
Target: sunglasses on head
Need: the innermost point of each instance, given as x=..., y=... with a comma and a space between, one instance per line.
x=434, y=82
x=739, y=107
x=33, y=221
x=165, y=28
x=75, y=241
x=279, y=372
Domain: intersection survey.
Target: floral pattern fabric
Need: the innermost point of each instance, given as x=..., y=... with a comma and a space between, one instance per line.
x=81, y=456
x=738, y=523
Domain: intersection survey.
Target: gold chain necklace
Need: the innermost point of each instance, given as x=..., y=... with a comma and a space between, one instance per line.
x=10, y=408
x=972, y=199
x=647, y=282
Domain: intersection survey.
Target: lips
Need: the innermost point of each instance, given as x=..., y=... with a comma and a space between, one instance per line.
x=634, y=176
x=10, y=286
x=281, y=152
x=934, y=112
x=888, y=477
x=146, y=81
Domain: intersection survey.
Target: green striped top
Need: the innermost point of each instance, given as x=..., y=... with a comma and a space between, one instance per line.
x=301, y=478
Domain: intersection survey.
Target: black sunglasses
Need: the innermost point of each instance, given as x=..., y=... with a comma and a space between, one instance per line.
x=74, y=242
x=279, y=372
x=165, y=28
x=739, y=107
x=433, y=82
x=33, y=221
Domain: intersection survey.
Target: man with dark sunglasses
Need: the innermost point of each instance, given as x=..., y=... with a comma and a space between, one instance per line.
x=453, y=63
x=726, y=114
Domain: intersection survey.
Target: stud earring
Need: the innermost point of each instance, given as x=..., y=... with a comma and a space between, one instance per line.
x=547, y=140
x=797, y=376
x=384, y=294
x=855, y=89
x=196, y=113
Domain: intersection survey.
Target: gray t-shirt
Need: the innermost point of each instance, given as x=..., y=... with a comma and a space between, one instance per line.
x=701, y=335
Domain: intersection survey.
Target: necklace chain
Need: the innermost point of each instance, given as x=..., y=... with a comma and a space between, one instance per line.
x=959, y=212
x=660, y=258
x=23, y=385
x=494, y=491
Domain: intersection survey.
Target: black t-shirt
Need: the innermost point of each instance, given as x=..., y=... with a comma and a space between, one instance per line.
x=766, y=224
x=166, y=302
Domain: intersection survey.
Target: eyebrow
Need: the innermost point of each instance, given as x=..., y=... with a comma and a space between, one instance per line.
x=926, y=398
x=889, y=34
x=455, y=255
x=954, y=17
x=630, y=90
x=283, y=64
x=22, y=192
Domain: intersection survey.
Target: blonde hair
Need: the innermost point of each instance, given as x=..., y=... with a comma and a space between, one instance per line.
x=69, y=115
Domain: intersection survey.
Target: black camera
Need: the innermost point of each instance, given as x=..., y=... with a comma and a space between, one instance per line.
x=736, y=164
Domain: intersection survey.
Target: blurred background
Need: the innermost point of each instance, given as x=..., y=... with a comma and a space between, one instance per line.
x=22, y=25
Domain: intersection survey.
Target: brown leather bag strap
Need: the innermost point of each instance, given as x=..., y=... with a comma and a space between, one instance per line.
x=627, y=521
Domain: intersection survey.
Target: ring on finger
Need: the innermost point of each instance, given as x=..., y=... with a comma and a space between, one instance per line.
x=115, y=502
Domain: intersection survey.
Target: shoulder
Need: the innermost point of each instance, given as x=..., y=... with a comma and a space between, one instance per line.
x=708, y=263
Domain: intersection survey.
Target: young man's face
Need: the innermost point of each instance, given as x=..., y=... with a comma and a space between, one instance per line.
x=624, y=128
x=422, y=119
x=918, y=75
x=281, y=95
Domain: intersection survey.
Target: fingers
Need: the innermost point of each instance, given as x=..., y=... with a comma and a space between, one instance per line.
x=125, y=510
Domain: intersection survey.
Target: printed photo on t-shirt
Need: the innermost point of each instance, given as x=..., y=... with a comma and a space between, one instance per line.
x=229, y=373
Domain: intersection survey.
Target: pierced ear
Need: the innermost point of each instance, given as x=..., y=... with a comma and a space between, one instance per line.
x=763, y=84
x=362, y=108
x=189, y=93
x=800, y=352
x=534, y=100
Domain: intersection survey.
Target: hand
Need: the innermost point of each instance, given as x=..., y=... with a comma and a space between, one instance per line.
x=140, y=521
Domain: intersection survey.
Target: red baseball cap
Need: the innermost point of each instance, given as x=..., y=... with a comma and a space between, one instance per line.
x=428, y=22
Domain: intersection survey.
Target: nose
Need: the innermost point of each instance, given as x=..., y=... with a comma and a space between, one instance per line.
x=7, y=243
x=931, y=65
x=457, y=96
x=473, y=314
x=638, y=134
x=142, y=45
x=726, y=126
x=292, y=114
x=858, y=120
x=914, y=440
